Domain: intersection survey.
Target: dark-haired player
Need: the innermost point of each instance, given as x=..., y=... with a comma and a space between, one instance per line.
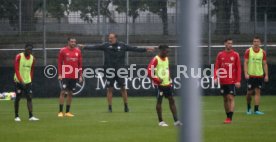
x=255, y=71
x=24, y=68
x=228, y=74
x=69, y=72
x=158, y=71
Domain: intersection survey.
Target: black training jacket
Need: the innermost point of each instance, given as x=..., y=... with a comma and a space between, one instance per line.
x=114, y=54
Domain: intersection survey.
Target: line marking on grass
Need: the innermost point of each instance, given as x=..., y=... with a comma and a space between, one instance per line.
x=103, y=121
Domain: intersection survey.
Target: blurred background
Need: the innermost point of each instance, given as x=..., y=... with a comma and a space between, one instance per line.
x=143, y=23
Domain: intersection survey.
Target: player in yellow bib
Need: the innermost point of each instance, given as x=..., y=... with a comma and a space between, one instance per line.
x=255, y=71
x=24, y=66
x=158, y=71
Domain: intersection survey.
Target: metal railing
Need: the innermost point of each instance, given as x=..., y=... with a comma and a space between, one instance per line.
x=173, y=55
x=47, y=21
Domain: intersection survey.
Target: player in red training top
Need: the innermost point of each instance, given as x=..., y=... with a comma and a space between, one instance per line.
x=69, y=72
x=228, y=74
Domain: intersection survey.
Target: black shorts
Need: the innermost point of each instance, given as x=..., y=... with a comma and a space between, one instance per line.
x=23, y=89
x=110, y=80
x=68, y=84
x=253, y=83
x=163, y=91
x=228, y=89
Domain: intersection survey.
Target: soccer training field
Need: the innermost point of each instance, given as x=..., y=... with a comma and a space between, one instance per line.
x=93, y=123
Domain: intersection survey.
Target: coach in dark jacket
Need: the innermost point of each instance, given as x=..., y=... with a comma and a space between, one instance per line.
x=114, y=57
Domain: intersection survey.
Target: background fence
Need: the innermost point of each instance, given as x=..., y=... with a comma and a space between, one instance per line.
x=143, y=23
x=47, y=23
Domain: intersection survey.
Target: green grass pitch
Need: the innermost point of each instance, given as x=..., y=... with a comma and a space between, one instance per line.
x=93, y=123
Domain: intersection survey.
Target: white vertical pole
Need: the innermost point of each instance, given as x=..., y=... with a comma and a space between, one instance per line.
x=189, y=55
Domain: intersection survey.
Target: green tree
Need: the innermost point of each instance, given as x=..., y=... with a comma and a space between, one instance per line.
x=222, y=11
x=89, y=9
x=56, y=8
x=28, y=20
x=235, y=6
x=159, y=7
x=9, y=10
x=135, y=6
x=263, y=6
